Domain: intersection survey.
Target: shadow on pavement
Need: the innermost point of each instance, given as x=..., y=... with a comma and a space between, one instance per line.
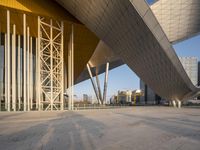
x=69, y=131
x=180, y=127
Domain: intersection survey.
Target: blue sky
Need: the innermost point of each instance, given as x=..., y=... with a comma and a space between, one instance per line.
x=150, y=1
x=190, y=47
x=122, y=78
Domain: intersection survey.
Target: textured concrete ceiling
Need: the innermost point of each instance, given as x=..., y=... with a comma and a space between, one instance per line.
x=102, y=55
x=97, y=62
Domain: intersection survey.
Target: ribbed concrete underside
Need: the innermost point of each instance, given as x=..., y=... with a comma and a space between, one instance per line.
x=131, y=30
x=179, y=18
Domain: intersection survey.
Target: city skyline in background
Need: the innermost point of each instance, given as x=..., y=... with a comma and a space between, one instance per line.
x=123, y=78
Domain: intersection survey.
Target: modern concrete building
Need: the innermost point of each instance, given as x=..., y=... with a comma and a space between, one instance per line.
x=149, y=97
x=48, y=46
x=190, y=64
x=137, y=96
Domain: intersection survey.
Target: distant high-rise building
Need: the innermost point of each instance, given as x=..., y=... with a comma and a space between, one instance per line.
x=150, y=97
x=199, y=73
x=190, y=64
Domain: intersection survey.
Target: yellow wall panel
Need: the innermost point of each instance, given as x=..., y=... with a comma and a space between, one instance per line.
x=48, y=8
x=85, y=41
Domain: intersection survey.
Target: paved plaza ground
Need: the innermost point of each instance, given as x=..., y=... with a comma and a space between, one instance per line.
x=135, y=128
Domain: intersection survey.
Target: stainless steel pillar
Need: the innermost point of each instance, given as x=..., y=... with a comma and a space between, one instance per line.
x=31, y=72
x=71, y=71
x=62, y=56
x=19, y=72
x=24, y=48
x=28, y=68
x=38, y=67
x=8, y=57
x=14, y=68
x=37, y=74
x=105, y=83
x=51, y=47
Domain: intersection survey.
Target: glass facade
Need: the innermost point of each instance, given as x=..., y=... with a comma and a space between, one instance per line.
x=2, y=75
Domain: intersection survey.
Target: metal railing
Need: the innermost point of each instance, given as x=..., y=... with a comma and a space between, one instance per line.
x=96, y=106
x=76, y=107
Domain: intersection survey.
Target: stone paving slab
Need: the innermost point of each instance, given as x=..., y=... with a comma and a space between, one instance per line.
x=137, y=128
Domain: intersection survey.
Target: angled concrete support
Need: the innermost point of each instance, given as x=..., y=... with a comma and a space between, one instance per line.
x=99, y=87
x=105, y=83
x=93, y=83
x=96, y=87
x=173, y=103
x=178, y=103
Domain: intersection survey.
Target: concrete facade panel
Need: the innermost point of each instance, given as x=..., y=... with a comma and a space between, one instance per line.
x=178, y=18
x=130, y=38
